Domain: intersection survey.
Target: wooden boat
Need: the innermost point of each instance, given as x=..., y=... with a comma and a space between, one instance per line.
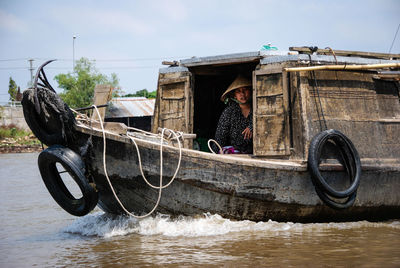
x=326, y=142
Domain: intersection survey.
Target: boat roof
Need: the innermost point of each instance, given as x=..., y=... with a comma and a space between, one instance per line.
x=270, y=57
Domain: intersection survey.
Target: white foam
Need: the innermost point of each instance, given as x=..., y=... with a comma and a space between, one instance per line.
x=102, y=225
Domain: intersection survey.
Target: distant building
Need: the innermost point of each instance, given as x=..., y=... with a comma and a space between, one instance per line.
x=134, y=112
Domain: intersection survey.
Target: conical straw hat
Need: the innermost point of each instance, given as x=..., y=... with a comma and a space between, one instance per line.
x=239, y=82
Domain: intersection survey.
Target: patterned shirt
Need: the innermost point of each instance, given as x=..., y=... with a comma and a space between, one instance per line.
x=230, y=127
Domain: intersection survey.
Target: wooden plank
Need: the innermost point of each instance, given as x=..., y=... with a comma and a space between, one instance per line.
x=187, y=106
x=343, y=67
x=267, y=85
x=270, y=105
x=173, y=98
x=388, y=77
x=305, y=111
x=173, y=91
x=168, y=133
x=113, y=127
x=169, y=116
x=285, y=89
x=269, y=69
x=296, y=120
x=173, y=80
x=102, y=94
x=170, y=63
x=270, y=116
x=172, y=106
x=364, y=109
x=347, y=53
x=175, y=103
x=155, y=124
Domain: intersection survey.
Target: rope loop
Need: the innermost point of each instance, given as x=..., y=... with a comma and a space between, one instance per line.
x=219, y=146
x=140, y=166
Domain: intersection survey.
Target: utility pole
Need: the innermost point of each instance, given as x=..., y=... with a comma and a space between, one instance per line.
x=73, y=53
x=31, y=69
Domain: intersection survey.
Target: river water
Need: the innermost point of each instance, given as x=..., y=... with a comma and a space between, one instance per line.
x=34, y=231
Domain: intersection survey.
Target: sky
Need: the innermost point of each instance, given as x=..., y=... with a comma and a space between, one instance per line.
x=132, y=38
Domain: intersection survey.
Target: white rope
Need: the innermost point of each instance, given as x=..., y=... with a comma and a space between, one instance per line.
x=209, y=146
x=161, y=159
x=141, y=170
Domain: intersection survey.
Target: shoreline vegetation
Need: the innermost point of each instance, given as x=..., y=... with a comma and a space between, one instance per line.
x=17, y=140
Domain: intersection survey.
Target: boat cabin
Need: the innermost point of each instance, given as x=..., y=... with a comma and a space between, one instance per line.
x=291, y=103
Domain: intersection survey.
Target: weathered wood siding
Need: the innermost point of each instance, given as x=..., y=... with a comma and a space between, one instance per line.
x=174, y=105
x=271, y=126
x=297, y=124
x=364, y=109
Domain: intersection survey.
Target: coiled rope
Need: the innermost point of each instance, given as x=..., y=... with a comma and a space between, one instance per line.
x=140, y=167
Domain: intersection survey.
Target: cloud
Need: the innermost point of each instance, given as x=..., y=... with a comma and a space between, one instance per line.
x=11, y=23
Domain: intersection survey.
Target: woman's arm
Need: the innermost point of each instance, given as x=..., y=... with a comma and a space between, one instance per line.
x=248, y=132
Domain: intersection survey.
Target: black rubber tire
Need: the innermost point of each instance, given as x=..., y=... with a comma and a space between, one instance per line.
x=349, y=153
x=333, y=203
x=75, y=166
x=48, y=127
x=352, y=165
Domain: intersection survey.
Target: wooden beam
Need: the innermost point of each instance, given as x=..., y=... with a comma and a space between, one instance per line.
x=388, y=77
x=343, y=67
x=346, y=53
x=170, y=63
x=168, y=133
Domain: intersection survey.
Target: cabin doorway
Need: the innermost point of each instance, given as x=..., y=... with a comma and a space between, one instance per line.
x=210, y=82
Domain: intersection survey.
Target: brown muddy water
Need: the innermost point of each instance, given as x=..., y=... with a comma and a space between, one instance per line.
x=34, y=231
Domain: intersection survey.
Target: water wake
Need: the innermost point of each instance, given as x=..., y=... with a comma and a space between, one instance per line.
x=103, y=225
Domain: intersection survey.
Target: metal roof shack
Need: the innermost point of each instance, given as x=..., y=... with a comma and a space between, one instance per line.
x=134, y=112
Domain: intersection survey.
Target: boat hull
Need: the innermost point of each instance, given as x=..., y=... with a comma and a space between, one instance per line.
x=228, y=186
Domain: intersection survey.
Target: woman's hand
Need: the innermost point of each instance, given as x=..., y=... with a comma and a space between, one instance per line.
x=248, y=134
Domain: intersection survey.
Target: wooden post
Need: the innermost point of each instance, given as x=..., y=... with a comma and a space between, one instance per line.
x=102, y=94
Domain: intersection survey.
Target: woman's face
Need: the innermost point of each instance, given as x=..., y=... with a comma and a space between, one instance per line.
x=242, y=94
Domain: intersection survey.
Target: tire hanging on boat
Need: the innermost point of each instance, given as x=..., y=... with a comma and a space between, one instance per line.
x=54, y=122
x=351, y=162
x=75, y=166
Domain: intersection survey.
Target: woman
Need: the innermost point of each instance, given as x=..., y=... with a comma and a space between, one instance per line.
x=235, y=127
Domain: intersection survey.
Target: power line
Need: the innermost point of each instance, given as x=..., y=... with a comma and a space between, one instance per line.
x=14, y=59
x=141, y=59
x=101, y=60
x=14, y=68
x=100, y=68
x=390, y=50
x=128, y=67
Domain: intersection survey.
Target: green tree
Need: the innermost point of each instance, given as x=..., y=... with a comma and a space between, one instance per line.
x=12, y=89
x=114, y=81
x=79, y=85
x=152, y=95
x=142, y=93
